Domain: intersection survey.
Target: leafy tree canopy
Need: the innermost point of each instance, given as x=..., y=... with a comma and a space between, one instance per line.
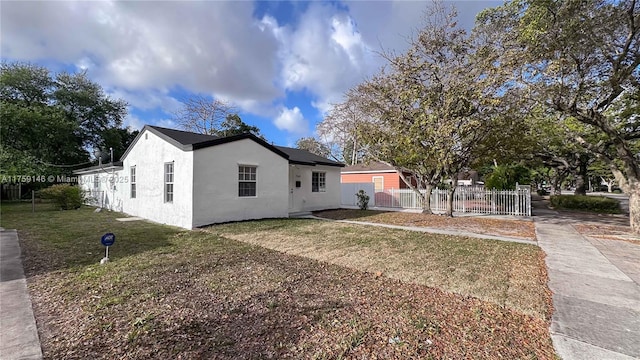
x=51, y=123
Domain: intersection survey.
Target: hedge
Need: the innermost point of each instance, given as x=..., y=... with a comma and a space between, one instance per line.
x=599, y=204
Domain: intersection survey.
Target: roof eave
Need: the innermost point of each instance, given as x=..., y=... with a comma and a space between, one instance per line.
x=369, y=171
x=97, y=169
x=228, y=139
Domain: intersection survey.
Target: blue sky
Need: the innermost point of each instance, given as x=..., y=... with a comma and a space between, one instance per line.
x=282, y=64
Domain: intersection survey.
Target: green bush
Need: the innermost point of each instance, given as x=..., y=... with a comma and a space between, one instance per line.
x=505, y=177
x=363, y=200
x=599, y=204
x=65, y=196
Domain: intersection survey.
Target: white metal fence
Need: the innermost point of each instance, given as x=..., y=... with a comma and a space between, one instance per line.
x=473, y=200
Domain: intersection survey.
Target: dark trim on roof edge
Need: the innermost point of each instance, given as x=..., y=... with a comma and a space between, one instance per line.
x=228, y=139
x=224, y=140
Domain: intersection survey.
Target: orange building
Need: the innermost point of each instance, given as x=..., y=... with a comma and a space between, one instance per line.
x=383, y=176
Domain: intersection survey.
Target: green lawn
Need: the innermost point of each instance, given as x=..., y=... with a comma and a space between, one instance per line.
x=169, y=293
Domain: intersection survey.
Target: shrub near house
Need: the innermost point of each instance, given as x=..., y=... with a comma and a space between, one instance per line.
x=64, y=196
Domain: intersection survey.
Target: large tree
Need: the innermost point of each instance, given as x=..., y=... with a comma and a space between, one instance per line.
x=233, y=125
x=314, y=146
x=212, y=117
x=580, y=59
x=203, y=115
x=429, y=110
x=50, y=124
x=338, y=131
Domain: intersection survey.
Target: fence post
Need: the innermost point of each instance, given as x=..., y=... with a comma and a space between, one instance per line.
x=464, y=209
x=33, y=201
x=528, y=202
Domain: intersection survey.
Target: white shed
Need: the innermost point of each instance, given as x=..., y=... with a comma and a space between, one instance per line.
x=190, y=180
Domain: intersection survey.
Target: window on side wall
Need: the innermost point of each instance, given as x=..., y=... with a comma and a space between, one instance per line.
x=247, y=181
x=168, y=182
x=378, y=183
x=318, y=182
x=133, y=182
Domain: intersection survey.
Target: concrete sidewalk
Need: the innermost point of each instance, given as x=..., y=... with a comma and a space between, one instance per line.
x=596, y=304
x=19, y=335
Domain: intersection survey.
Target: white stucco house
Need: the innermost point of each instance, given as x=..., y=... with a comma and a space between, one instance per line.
x=190, y=180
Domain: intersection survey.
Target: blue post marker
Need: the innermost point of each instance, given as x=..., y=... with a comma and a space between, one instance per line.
x=107, y=240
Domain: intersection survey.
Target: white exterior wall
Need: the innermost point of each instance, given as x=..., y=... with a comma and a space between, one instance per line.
x=215, y=181
x=149, y=155
x=108, y=194
x=303, y=199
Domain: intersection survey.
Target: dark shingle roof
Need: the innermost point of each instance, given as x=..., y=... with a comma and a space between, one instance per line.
x=184, y=137
x=303, y=157
x=192, y=141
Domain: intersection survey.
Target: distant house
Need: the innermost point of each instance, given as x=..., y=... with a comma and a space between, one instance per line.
x=469, y=178
x=190, y=180
x=383, y=176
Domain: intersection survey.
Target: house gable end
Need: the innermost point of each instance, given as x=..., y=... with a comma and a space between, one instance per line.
x=229, y=139
x=164, y=137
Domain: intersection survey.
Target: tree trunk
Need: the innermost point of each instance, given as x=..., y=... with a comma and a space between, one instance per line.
x=581, y=178
x=634, y=209
x=426, y=199
x=557, y=188
x=450, y=192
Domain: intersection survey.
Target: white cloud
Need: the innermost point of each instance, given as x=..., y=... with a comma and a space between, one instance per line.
x=323, y=54
x=143, y=51
x=133, y=122
x=204, y=47
x=292, y=121
x=147, y=100
x=167, y=123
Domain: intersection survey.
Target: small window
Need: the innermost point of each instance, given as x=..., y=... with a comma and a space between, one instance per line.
x=168, y=182
x=378, y=183
x=247, y=181
x=318, y=182
x=96, y=181
x=133, y=182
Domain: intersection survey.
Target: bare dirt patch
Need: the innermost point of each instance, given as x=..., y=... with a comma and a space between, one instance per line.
x=481, y=225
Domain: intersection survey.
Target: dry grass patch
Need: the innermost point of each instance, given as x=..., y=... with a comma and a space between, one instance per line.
x=507, y=274
x=172, y=294
x=481, y=225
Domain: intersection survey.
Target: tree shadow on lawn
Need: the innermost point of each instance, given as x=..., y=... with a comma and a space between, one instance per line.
x=265, y=325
